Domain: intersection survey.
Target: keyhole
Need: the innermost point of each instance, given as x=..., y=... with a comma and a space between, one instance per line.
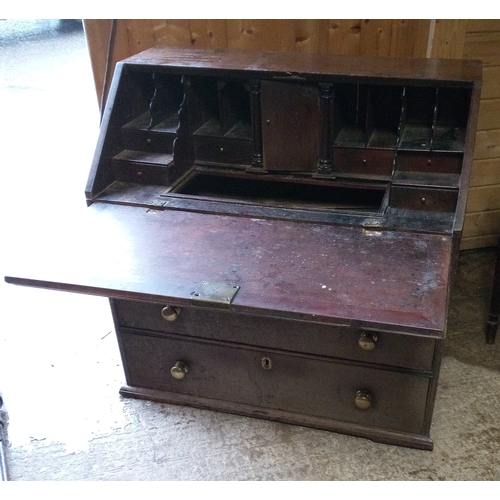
x=267, y=364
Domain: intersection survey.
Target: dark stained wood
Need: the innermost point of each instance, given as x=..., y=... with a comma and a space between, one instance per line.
x=433, y=383
x=326, y=109
x=144, y=168
x=257, y=156
x=420, y=441
x=157, y=197
x=291, y=115
x=307, y=385
x=301, y=270
x=222, y=150
x=468, y=156
x=417, y=161
x=424, y=198
x=138, y=135
x=494, y=313
x=337, y=341
x=372, y=163
x=391, y=70
x=323, y=194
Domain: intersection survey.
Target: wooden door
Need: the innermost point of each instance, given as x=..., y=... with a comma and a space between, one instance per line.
x=290, y=126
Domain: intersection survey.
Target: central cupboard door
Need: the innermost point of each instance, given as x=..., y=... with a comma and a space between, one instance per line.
x=290, y=126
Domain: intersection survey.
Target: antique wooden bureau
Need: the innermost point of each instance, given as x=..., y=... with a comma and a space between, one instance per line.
x=277, y=232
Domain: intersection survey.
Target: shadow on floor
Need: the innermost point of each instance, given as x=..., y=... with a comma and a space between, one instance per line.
x=22, y=31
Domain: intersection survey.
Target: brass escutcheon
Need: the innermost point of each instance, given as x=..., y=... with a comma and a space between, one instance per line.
x=267, y=364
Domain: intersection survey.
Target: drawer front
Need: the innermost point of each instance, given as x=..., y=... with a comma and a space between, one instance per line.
x=145, y=140
x=296, y=336
x=414, y=198
x=222, y=151
x=429, y=162
x=266, y=379
x=143, y=173
x=370, y=162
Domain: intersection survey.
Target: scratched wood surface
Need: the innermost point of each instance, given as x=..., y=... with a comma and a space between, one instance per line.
x=315, y=272
x=444, y=38
x=397, y=38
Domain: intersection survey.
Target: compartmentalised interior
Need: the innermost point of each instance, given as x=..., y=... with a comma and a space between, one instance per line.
x=334, y=144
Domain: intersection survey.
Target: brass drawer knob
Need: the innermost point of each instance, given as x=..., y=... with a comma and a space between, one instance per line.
x=170, y=313
x=367, y=341
x=179, y=370
x=363, y=400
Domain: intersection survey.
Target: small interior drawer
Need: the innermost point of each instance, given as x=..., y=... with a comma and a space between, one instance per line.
x=222, y=150
x=407, y=351
x=426, y=161
x=146, y=140
x=142, y=134
x=366, y=161
x=266, y=379
x=145, y=168
x=423, y=198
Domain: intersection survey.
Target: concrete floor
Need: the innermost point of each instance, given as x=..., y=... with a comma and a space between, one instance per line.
x=60, y=377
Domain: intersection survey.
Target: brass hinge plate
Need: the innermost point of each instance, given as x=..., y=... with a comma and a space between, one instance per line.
x=372, y=223
x=214, y=294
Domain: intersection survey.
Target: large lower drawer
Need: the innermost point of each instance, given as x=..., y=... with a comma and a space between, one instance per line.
x=298, y=336
x=268, y=379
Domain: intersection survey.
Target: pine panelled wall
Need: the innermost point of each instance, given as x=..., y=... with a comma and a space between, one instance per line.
x=112, y=40
x=482, y=222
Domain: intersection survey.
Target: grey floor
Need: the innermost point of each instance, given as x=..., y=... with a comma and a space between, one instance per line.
x=60, y=369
